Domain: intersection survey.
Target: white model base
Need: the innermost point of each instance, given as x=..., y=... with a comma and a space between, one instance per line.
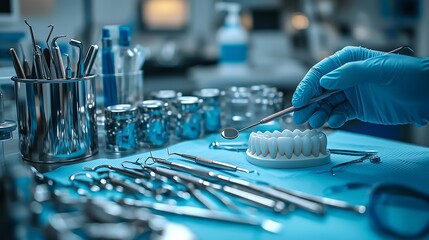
x=284, y=162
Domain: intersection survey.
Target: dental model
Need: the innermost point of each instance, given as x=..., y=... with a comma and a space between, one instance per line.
x=288, y=149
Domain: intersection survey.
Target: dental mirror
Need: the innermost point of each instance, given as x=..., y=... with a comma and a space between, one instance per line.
x=232, y=133
x=229, y=133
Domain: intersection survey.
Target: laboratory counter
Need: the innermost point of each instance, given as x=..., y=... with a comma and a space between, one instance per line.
x=401, y=164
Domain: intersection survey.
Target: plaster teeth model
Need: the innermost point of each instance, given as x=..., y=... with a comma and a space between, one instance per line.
x=288, y=149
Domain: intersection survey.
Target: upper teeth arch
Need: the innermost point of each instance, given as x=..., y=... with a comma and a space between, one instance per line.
x=288, y=144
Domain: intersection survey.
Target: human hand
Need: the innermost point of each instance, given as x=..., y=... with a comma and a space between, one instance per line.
x=376, y=87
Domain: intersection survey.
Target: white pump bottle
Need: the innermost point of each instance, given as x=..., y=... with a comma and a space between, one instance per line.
x=232, y=38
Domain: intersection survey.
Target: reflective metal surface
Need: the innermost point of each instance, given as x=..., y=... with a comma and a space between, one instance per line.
x=120, y=128
x=153, y=124
x=56, y=119
x=189, y=118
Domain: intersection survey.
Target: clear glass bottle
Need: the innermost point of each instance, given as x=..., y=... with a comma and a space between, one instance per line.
x=237, y=107
x=211, y=108
x=153, y=124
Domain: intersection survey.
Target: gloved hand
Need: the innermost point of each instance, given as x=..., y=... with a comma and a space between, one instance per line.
x=376, y=87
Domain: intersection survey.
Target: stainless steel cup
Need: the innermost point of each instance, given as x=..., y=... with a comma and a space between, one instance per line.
x=56, y=119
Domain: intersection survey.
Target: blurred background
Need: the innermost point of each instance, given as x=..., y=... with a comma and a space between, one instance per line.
x=184, y=39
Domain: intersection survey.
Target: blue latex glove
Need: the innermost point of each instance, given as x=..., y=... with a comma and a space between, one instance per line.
x=377, y=88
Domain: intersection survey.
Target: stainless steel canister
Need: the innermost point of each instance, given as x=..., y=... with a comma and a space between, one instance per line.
x=120, y=128
x=189, y=118
x=170, y=97
x=56, y=119
x=211, y=108
x=153, y=124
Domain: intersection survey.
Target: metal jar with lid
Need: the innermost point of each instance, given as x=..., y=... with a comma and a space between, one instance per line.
x=211, y=108
x=189, y=119
x=120, y=128
x=153, y=123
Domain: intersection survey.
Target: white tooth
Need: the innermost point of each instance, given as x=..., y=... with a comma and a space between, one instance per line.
x=297, y=132
x=264, y=146
x=306, y=132
x=306, y=146
x=267, y=134
x=314, y=132
x=259, y=133
x=277, y=134
x=272, y=147
x=281, y=144
x=251, y=144
x=285, y=145
x=287, y=133
x=257, y=145
x=253, y=134
x=297, y=145
x=315, y=142
x=323, y=142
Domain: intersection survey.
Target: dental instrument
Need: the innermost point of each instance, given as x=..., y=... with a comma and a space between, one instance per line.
x=223, y=199
x=80, y=71
x=56, y=57
x=184, y=168
x=266, y=224
x=353, y=152
x=25, y=64
x=371, y=157
x=47, y=51
x=211, y=163
x=36, y=55
x=232, y=146
x=126, y=172
x=16, y=64
x=90, y=59
x=197, y=194
x=69, y=73
x=305, y=204
x=46, y=70
x=232, y=133
x=361, y=209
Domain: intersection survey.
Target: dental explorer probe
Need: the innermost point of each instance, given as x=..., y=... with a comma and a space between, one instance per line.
x=47, y=51
x=36, y=55
x=211, y=163
x=232, y=133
